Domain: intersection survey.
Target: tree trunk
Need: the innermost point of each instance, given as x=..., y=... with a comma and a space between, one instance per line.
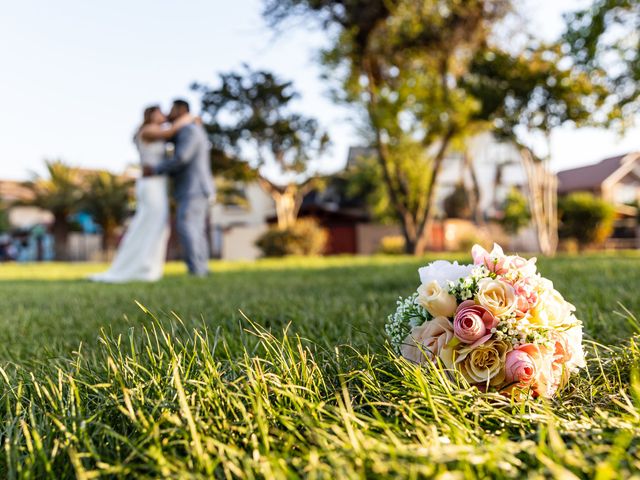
x=288, y=200
x=108, y=238
x=286, y=208
x=543, y=201
x=60, y=237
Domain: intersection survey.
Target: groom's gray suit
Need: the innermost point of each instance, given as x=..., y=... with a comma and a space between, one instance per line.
x=193, y=187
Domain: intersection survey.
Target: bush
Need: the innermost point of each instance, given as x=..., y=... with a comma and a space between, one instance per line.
x=392, y=245
x=456, y=204
x=585, y=218
x=515, y=212
x=306, y=237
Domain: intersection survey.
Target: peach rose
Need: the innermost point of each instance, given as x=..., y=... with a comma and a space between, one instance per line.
x=485, y=363
x=473, y=323
x=436, y=300
x=427, y=340
x=496, y=296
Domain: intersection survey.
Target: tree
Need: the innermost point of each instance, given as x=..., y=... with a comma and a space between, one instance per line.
x=5, y=224
x=60, y=194
x=402, y=63
x=536, y=90
x=429, y=75
x=107, y=199
x=249, y=118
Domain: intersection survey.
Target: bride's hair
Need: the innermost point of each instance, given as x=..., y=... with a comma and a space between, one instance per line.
x=146, y=119
x=146, y=116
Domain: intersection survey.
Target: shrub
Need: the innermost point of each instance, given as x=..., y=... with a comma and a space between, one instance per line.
x=515, y=212
x=585, y=218
x=306, y=237
x=392, y=245
x=456, y=204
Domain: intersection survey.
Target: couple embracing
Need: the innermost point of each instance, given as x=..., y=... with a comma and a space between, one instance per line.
x=143, y=249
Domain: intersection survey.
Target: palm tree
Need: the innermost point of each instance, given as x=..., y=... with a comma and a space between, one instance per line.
x=5, y=224
x=107, y=200
x=60, y=194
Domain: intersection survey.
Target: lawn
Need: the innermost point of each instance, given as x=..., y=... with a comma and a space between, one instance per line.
x=279, y=369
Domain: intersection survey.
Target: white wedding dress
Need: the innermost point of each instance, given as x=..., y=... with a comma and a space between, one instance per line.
x=142, y=251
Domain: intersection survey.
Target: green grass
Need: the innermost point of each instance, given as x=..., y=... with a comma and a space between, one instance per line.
x=280, y=370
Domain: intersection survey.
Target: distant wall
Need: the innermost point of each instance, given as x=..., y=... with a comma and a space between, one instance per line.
x=85, y=247
x=369, y=236
x=238, y=243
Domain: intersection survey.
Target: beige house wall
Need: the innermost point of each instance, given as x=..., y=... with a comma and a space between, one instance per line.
x=239, y=242
x=369, y=237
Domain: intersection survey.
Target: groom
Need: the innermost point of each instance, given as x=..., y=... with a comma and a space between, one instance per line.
x=190, y=169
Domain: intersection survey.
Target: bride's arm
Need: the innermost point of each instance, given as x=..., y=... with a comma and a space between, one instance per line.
x=153, y=132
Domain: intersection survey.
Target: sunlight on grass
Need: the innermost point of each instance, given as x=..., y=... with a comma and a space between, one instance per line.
x=280, y=369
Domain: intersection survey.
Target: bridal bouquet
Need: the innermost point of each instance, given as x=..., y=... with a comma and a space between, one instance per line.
x=497, y=322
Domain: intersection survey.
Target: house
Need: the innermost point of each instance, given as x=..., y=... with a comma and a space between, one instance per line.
x=15, y=194
x=617, y=181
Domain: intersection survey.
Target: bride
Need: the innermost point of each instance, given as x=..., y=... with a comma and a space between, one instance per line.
x=141, y=254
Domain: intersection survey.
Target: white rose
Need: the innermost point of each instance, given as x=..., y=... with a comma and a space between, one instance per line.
x=438, y=301
x=553, y=310
x=444, y=272
x=574, y=345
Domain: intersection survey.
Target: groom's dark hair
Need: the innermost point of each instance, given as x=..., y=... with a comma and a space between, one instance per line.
x=179, y=102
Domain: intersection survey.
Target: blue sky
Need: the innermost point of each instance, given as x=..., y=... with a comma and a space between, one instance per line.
x=75, y=75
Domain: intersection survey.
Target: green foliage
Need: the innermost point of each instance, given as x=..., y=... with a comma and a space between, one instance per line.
x=256, y=135
x=428, y=75
x=107, y=199
x=249, y=118
x=364, y=179
x=515, y=212
x=60, y=192
x=585, y=218
x=216, y=393
x=604, y=43
x=456, y=204
x=305, y=237
x=535, y=89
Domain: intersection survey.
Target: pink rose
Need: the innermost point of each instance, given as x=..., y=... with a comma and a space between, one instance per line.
x=531, y=365
x=495, y=261
x=473, y=323
x=520, y=367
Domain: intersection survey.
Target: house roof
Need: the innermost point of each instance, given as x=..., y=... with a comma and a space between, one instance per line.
x=14, y=191
x=589, y=177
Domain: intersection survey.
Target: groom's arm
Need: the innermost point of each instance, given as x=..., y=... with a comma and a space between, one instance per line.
x=186, y=148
